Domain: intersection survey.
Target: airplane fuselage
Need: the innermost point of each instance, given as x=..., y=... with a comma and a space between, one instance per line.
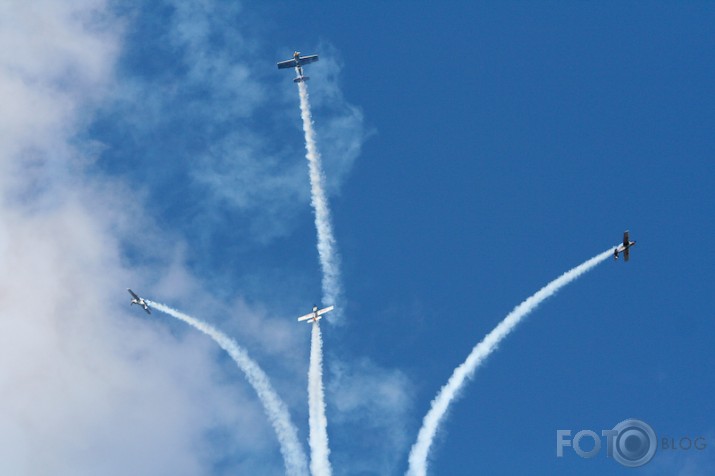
x=625, y=247
x=621, y=248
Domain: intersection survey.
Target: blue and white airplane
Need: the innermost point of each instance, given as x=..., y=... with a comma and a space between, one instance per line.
x=297, y=62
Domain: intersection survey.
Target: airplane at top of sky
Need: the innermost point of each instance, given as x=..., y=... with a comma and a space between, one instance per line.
x=316, y=315
x=297, y=62
x=137, y=300
x=625, y=247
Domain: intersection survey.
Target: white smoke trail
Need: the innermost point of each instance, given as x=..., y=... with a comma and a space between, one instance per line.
x=329, y=259
x=319, y=462
x=330, y=265
x=431, y=422
x=277, y=412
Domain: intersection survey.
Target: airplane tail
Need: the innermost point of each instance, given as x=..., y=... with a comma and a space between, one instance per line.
x=301, y=79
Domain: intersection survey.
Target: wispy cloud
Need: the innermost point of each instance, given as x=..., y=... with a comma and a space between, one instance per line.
x=199, y=95
x=370, y=405
x=55, y=64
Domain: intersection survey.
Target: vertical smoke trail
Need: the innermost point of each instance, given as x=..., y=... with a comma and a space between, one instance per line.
x=293, y=455
x=420, y=450
x=319, y=462
x=329, y=259
x=329, y=262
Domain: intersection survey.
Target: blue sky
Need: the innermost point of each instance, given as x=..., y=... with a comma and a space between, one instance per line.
x=473, y=152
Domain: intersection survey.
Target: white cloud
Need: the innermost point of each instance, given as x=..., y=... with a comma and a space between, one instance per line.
x=55, y=60
x=87, y=385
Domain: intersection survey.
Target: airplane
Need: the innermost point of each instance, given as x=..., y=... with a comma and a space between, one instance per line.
x=137, y=300
x=316, y=315
x=625, y=247
x=297, y=62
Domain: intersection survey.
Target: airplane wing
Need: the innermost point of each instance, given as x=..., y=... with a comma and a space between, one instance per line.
x=308, y=59
x=626, y=239
x=148, y=311
x=327, y=309
x=133, y=294
x=287, y=64
x=626, y=253
x=306, y=317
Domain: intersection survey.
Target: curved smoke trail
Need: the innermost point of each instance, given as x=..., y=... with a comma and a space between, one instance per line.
x=329, y=262
x=329, y=259
x=277, y=412
x=319, y=462
x=440, y=404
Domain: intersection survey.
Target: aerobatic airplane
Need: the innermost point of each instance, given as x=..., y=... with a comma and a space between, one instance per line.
x=625, y=247
x=297, y=62
x=316, y=315
x=137, y=300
